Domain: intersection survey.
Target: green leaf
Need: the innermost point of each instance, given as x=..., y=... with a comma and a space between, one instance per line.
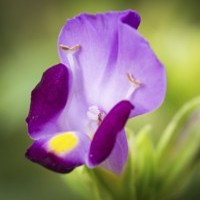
x=172, y=131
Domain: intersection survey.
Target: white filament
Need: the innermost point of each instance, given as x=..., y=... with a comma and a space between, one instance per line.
x=70, y=57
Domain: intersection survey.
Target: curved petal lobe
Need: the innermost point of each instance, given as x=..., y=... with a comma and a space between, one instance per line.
x=60, y=153
x=105, y=136
x=137, y=76
x=138, y=60
x=48, y=99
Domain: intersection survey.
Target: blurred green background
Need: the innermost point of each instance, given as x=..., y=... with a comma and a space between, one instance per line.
x=28, y=38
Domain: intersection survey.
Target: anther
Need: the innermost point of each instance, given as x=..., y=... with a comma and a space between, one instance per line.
x=101, y=116
x=70, y=53
x=67, y=48
x=136, y=83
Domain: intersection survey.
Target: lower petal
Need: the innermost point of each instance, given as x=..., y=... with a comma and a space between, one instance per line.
x=61, y=153
x=119, y=155
x=105, y=136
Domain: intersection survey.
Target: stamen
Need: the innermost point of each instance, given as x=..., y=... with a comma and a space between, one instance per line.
x=67, y=48
x=70, y=53
x=136, y=83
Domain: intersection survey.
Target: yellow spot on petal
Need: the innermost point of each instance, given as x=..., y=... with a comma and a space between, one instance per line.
x=63, y=143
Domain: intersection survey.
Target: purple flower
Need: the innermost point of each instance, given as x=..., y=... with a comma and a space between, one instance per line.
x=79, y=109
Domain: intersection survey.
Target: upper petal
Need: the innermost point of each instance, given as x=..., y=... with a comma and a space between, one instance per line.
x=110, y=49
x=137, y=75
x=94, y=32
x=97, y=36
x=47, y=100
x=105, y=137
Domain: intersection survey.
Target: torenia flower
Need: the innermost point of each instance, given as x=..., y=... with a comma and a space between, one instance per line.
x=108, y=73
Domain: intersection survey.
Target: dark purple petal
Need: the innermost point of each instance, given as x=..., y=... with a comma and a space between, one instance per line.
x=117, y=159
x=41, y=153
x=47, y=100
x=105, y=136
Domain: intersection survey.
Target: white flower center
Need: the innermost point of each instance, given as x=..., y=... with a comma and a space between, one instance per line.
x=95, y=116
